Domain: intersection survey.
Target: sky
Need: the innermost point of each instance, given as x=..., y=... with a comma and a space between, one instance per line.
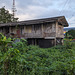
x=37, y=9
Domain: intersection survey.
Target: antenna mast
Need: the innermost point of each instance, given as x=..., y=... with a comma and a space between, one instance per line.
x=13, y=9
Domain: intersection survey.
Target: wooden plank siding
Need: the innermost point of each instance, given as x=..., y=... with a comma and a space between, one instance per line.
x=59, y=31
x=40, y=31
x=46, y=32
x=36, y=31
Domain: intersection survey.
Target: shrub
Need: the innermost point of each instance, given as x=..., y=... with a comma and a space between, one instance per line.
x=16, y=58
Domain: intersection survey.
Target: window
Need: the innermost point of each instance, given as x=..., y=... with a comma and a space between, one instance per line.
x=21, y=29
x=28, y=29
x=37, y=28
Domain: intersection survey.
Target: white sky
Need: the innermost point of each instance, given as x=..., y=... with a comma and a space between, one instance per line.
x=37, y=9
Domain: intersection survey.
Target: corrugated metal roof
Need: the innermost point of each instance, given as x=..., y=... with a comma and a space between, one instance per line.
x=37, y=21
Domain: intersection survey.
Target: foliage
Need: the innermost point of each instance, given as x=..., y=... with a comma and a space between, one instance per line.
x=5, y=16
x=70, y=34
x=16, y=58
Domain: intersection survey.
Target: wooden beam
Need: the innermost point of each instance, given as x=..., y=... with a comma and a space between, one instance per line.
x=49, y=37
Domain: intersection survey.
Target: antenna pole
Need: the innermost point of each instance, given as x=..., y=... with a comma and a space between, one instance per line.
x=13, y=9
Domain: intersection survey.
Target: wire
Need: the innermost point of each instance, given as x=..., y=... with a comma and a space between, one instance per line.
x=64, y=6
x=71, y=16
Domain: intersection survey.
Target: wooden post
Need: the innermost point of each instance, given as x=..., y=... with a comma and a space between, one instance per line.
x=42, y=28
x=33, y=31
x=32, y=28
x=35, y=42
x=55, y=41
x=62, y=41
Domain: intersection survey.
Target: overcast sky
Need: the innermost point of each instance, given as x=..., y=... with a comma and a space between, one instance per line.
x=37, y=9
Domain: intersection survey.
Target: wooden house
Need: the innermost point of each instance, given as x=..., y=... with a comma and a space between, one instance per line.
x=45, y=32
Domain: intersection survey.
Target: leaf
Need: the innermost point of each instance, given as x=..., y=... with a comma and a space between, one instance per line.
x=4, y=39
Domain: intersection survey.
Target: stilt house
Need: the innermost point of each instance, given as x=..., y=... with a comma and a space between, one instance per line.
x=45, y=32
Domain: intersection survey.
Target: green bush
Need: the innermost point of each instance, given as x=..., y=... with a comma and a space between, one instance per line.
x=16, y=58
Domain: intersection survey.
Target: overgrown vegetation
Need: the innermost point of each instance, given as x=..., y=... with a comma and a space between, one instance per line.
x=70, y=34
x=6, y=17
x=16, y=58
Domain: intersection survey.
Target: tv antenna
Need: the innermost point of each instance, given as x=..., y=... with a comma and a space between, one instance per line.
x=13, y=10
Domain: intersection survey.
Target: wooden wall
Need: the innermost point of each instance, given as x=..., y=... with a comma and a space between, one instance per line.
x=49, y=30
x=36, y=31
x=4, y=30
x=40, y=30
x=59, y=31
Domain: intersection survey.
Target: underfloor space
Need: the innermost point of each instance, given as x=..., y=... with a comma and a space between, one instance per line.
x=59, y=41
x=43, y=43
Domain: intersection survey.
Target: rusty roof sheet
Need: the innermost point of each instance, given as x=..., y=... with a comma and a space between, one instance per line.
x=60, y=19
